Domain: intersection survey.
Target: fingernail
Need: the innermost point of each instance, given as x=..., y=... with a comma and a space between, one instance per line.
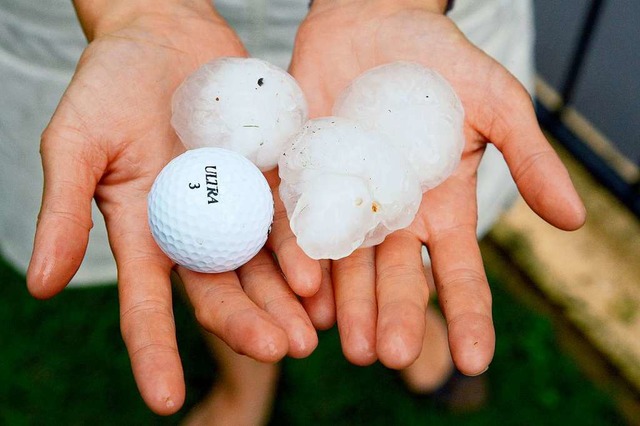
x=304, y=338
x=271, y=347
x=169, y=403
x=478, y=374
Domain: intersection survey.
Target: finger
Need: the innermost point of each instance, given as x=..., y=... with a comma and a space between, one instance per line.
x=146, y=314
x=265, y=285
x=465, y=298
x=71, y=170
x=356, y=308
x=222, y=308
x=463, y=290
x=303, y=274
x=402, y=295
x=541, y=177
x=148, y=331
x=321, y=306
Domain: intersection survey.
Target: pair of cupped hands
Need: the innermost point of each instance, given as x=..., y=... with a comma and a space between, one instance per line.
x=110, y=136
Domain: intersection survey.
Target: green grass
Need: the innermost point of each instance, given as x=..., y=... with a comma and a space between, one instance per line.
x=62, y=361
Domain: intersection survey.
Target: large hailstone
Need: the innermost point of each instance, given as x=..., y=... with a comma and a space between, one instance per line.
x=246, y=105
x=345, y=187
x=416, y=109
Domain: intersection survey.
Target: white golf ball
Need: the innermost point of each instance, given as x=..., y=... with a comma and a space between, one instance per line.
x=345, y=187
x=417, y=109
x=243, y=104
x=210, y=210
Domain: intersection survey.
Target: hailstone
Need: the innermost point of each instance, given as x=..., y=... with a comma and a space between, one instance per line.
x=418, y=111
x=344, y=187
x=243, y=104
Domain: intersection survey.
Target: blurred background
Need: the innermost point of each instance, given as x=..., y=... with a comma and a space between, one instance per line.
x=566, y=305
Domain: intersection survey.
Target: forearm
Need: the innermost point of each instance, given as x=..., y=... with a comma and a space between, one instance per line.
x=102, y=16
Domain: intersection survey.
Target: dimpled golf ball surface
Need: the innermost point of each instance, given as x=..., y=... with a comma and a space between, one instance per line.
x=244, y=104
x=210, y=210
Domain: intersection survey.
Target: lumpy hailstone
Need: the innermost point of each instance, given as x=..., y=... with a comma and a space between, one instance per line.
x=416, y=109
x=243, y=104
x=344, y=186
x=210, y=210
x=349, y=181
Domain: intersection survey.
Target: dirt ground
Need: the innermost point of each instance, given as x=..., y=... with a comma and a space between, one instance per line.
x=591, y=276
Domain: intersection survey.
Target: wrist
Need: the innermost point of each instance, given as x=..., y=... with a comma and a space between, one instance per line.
x=434, y=6
x=98, y=17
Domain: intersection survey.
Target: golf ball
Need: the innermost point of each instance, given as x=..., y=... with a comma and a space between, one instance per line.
x=243, y=104
x=210, y=210
x=418, y=111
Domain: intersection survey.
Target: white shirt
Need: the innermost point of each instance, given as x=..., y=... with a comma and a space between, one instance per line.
x=40, y=43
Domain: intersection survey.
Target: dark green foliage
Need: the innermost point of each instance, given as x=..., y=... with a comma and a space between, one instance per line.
x=63, y=362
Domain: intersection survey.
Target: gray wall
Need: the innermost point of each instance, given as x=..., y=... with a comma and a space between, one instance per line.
x=608, y=92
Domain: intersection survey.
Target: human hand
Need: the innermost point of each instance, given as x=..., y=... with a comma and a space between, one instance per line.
x=381, y=293
x=108, y=139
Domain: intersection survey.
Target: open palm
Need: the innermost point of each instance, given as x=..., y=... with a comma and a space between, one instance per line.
x=381, y=293
x=108, y=139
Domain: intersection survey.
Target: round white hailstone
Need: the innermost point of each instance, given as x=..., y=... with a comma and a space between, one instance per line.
x=332, y=215
x=246, y=105
x=345, y=187
x=417, y=109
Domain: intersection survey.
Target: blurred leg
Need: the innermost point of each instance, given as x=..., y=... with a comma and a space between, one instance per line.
x=434, y=372
x=434, y=366
x=243, y=393
x=244, y=389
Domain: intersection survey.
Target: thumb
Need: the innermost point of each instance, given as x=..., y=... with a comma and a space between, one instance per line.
x=542, y=179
